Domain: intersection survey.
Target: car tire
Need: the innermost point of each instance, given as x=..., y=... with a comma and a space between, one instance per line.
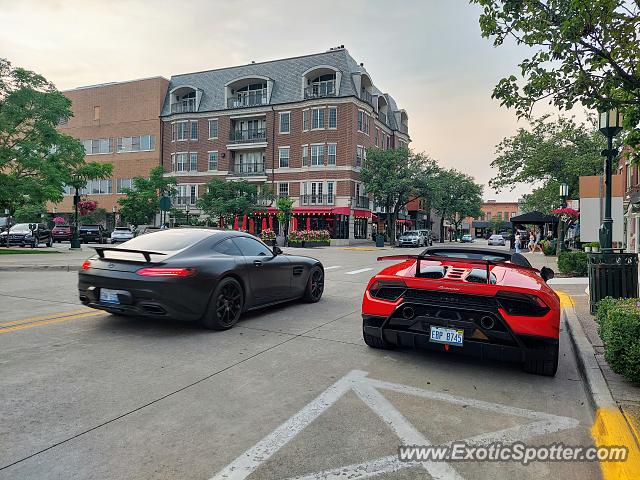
x=375, y=342
x=546, y=366
x=225, y=306
x=315, y=285
x=50, y=242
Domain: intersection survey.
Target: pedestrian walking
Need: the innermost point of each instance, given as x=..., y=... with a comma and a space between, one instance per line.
x=517, y=242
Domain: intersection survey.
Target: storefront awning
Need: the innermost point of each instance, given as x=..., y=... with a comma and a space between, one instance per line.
x=362, y=213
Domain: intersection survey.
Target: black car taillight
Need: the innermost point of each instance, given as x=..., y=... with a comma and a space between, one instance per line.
x=390, y=290
x=521, y=304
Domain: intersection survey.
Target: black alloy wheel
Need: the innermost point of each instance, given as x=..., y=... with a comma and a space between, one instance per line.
x=225, y=306
x=315, y=285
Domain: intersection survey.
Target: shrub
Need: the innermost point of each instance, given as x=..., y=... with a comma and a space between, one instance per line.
x=549, y=248
x=573, y=264
x=619, y=327
x=267, y=235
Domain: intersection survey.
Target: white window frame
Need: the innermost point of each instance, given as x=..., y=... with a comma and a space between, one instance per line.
x=329, y=110
x=280, y=184
x=191, y=124
x=217, y=128
x=190, y=157
x=184, y=156
x=318, y=146
x=280, y=157
x=179, y=125
x=280, y=116
x=331, y=192
x=209, y=161
x=305, y=155
x=335, y=153
x=359, y=155
x=313, y=118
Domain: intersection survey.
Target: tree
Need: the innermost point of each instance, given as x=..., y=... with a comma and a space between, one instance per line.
x=457, y=196
x=585, y=51
x=142, y=201
x=231, y=198
x=392, y=176
x=285, y=209
x=547, y=154
x=36, y=160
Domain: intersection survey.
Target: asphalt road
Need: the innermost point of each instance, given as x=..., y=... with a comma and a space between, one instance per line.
x=87, y=395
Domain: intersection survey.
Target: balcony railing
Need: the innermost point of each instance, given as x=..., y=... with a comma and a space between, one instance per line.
x=326, y=199
x=247, y=169
x=248, y=136
x=367, y=97
x=320, y=90
x=184, y=106
x=251, y=99
x=184, y=201
x=360, y=202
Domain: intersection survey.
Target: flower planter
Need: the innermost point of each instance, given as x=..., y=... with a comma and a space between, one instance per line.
x=296, y=244
x=587, y=249
x=315, y=243
x=280, y=240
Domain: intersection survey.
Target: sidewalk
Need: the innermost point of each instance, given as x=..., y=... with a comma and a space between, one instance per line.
x=63, y=260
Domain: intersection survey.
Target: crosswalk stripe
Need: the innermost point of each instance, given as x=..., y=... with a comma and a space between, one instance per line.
x=353, y=272
x=333, y=267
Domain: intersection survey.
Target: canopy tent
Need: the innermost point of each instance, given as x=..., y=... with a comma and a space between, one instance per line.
x=533, y=218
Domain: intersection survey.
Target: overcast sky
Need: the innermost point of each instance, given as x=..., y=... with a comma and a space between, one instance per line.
x=428, y=54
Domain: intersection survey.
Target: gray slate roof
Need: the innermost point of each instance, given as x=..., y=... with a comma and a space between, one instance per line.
x=286, y=74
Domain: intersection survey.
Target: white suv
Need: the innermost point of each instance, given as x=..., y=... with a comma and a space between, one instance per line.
x=121, y=234
x=496, y=239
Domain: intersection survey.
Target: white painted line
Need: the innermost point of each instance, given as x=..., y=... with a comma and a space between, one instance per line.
x=367, y=390
x=353, y=272
x=569, y=281
x=333, y=267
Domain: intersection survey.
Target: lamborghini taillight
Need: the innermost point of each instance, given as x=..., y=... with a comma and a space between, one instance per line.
x=521, y=304
x=390, y=290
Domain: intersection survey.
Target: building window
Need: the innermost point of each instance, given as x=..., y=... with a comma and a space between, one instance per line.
x=285, y=118
x=317, y=154
x=179, y=162
x=138, y=143
x=213, y=128
x=283, y=189
x=360, y=121
x=333, y=117
x=359, y=155
x=194, y=130
x=186, y=194
x=213, y=161
x=499, y=216
x=193, y=162
x=305, y=120
x=181, y=130
x=283, y=154
x=317, y=118
x=388, y=142
x=331, y=154
x=122, y=184
x=330, y=192
x=98, y=146
x=305, y=155
x=98, y=187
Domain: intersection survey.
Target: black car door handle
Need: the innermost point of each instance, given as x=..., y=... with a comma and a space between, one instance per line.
x=257, y=263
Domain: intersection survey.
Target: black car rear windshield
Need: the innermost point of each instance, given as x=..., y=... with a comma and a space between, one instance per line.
x=168, y=240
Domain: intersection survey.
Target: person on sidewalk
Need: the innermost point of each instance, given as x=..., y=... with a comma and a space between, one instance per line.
x=517, y=242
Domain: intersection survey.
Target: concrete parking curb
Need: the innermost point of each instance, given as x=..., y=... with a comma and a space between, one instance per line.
x=39, y=268
x=610, y=425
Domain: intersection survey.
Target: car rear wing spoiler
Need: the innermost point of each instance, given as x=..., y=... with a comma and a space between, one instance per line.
x=419, y=258
x=145, y=253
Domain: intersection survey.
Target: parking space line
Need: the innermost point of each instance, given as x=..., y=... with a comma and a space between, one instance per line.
x=332, y=267
x=354, y=272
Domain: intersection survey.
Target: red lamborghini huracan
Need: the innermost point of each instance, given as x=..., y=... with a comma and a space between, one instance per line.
x=480, y=302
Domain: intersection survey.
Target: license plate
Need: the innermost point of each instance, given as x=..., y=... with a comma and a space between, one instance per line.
x=109, y=296
x=449, y=336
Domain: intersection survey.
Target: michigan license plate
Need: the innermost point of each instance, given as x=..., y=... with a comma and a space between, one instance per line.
x=449, y=336
x=109, y=296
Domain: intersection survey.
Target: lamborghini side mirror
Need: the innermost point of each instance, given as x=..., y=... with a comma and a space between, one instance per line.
x=546, y=273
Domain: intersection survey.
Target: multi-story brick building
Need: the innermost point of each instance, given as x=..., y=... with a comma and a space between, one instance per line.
x=494, y=215
x=118, y=123
x=298, y=125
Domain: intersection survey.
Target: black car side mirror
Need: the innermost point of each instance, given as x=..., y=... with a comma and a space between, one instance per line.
x=277, y=250
x=546, y=273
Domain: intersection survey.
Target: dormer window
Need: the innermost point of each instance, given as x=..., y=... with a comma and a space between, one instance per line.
x=323, y=85
x=185, y=99
x=249, y=95
x=366, y=89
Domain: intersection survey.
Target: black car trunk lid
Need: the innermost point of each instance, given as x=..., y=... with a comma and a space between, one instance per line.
x=126, y=260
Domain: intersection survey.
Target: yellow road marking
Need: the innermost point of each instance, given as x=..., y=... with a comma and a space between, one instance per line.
x=44, y=317
x=364, y=249
x=53, y=321
x=565, y=299
x=610, y=427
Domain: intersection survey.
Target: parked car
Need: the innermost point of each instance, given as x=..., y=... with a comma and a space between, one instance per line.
x=505, y=234
x=196, y=274
x=3, y=237
x=92, y=233
x=29, y=234
x=121, y=234
x=466, y=238
x=481, y=302
x=412, y=238
x=61, y=233
x=428, y=237
x=496, y=239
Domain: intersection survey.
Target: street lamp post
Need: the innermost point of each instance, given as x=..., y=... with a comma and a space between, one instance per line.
x=610, y=124
x=75, y=240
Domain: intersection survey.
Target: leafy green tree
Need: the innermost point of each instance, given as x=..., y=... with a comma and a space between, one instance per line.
x=29, y=213
x=392, y=176
x=457, y=196
x=223, y=199
x=584, y=52
x=285, y=209
x=551, y=152
x=36, y=160
x=142, y=201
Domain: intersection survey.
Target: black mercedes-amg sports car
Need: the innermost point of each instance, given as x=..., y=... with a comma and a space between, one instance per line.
x=196, y=274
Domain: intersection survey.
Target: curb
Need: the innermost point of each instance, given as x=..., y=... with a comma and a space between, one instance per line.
x=39, y=268
x=610, y=425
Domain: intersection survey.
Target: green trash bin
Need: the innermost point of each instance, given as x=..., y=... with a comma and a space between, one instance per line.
x=612, y=274
x=379, y=241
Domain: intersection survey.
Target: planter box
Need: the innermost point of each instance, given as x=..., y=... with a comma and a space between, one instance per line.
x=308, y=244
x=296, y=244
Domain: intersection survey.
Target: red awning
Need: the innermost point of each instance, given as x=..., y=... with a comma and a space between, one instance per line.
x=408, y=222
x=374, y=218
x=312, y=210
x=362, y=213
x=341, y=211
